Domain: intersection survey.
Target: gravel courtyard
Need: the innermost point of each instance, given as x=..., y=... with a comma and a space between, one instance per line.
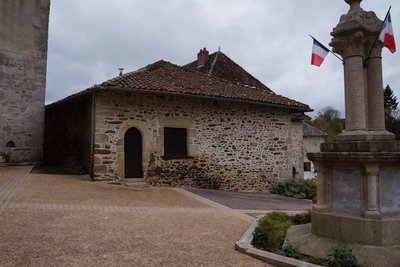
x=58, y=220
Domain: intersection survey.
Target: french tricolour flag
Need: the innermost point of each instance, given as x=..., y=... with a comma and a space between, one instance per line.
x=319, y=53
x=386, y=34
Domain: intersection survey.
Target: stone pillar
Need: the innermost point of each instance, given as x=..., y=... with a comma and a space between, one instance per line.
x=376, y=111
x=353, y=39
x=349, y=44
x=354, y=85
x=322, y=182
x=372, y=173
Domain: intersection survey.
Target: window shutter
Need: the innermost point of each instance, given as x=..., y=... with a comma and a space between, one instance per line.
x=175, y=142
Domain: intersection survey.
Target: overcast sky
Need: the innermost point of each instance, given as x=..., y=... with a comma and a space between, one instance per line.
x=89, y=40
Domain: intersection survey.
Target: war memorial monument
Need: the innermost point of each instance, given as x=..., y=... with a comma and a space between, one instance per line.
x=358, y=200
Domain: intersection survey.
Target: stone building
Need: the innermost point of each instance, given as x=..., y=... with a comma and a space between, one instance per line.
x=172, y=125
x=23, y=57
x=312, y=140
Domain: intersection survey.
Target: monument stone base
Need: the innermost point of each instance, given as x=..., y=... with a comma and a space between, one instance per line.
x=355, y=229
x=365, y=136
x=358, y=199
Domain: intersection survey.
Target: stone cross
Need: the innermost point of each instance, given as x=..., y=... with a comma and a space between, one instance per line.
x=353, y=39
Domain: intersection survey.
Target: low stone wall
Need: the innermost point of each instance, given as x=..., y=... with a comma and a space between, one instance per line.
x=208, y=173
x=231, y=146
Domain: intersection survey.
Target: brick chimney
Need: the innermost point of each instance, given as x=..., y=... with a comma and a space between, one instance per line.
x=202, y=57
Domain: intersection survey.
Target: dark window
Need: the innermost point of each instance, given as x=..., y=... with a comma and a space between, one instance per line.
x=307, y=166
x=175, y=144
x=10, y=144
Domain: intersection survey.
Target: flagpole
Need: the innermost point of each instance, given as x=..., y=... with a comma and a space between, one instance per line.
x=328, y=49
x=377, y=37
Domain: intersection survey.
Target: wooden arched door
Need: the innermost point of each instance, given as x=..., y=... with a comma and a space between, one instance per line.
x=133, y=153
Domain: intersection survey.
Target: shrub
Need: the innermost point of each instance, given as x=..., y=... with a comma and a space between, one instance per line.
x=317, y=261
x=270, y=233
x=271, y=230
x=5, y=156
x=341, y=255
x=291, y=251
x=301, y=218
x=297, y=188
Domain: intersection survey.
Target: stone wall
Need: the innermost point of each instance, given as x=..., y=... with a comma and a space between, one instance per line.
x=231, y=146
x=23, y=57
x=68, y=132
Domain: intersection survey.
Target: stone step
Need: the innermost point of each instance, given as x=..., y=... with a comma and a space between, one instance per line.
x=136, y=183
x=134, y=180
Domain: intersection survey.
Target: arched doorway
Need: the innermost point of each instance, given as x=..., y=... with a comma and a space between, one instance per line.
x=133, y=153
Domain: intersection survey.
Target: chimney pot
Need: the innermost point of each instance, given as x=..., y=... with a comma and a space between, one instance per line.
x=202, y=57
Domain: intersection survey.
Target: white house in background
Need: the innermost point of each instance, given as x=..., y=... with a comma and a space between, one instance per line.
x=312, y=139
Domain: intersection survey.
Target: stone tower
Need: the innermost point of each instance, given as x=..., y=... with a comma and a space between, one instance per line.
x=23, y=58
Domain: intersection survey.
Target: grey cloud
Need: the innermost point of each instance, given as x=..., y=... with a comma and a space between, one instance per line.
x=89, y=40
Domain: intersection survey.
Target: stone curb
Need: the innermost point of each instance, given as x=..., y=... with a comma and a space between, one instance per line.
x=244, y=246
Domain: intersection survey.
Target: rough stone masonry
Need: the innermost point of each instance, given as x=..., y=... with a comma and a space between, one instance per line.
x=23, y=58
x=234, y=147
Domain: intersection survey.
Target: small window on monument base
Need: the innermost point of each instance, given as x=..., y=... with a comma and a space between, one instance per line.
x=10, y=144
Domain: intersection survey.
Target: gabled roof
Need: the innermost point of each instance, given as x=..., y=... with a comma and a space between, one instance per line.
x=221, y=66
x=165, y=77
x=311, y=131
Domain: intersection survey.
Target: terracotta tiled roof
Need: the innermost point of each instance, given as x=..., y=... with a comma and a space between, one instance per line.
x=311, y=131
x=220, y=65
x=165, y=77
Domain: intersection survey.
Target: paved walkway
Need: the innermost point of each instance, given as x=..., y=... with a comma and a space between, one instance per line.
x=12, y=183
x=253, y=203
x=58, y=220
x=38, y=206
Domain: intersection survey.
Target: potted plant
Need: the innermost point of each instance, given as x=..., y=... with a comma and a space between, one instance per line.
x=4, y=157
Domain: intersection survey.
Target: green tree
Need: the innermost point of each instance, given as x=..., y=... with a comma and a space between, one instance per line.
x=329, y=120
x=389, y=101
x=392, y=118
